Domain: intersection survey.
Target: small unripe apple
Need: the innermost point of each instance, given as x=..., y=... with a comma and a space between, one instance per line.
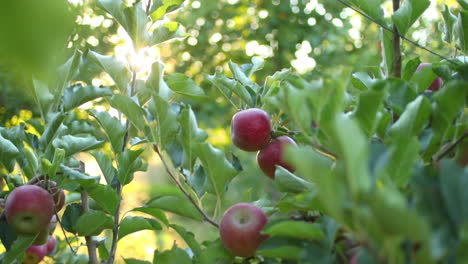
x=51, y=244
x=57, y=193
x=272, y=155
x=437, y=83
x=29, y=209
x=241, y=227
x=34, y=254
x=250, y=129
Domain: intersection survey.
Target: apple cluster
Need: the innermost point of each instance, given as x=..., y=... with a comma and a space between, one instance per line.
x=251, y=131
x=31, y=210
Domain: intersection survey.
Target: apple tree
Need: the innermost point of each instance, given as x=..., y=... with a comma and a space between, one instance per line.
x=371, y=170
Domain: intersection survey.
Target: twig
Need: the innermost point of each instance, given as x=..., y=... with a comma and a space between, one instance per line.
x=179, y=185
x=450, y=148
x=391, y=30
x=396, y=45
x=90, y=243
x=65, y=234
x=115, y=231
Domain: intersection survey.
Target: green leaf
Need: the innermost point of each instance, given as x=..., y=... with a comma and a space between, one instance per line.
x=177, y=204
x=228, y=86
x=189, y=238
x=461, y=28
x=105, y=197
x=129, y=163
x=52, y=127
x=156, y=81
x=65, y=73
x=165, y=32
x=240, y=76
x=162, y=7
x=410, y=68
x=114, y=130
x=448, y=102
x=218, y=169
x=18, y=248
x=183, y=85
x=353, y=148
x=400, y=94
x=70, y=217
x=296, y=229
x=453, y=182
x=77, y=95
x=413, y=119
x=190, y=135
x=165, y=128
x=8, y=153
x=59, y=156
x=362, y=81
x=42, y=97
x=173, y=256
x=404, y=152
x=216, y=253
x=76, y=144
x=198, y=180
x=114, y=8
x=423, y=78
x=111, y=65
x=159, y=214
x=105, y=164
x=7, y=234
x=449, y=23
x=75, y=175
x=130, y=109
x=136, y=19
x=288, y=182
x=370, y=8
x=386, y=39
x=132, y=224
x=368, y=106
x=93, y=223
x=408, y=13
x=279, y=247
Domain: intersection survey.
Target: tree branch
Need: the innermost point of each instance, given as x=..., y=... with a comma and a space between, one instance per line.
x=90, y=243
x=450, y=148
x=179, y=185
x=396, y=45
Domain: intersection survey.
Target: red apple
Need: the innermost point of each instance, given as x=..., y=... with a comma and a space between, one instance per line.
x=29, y=209
x=250, y=129
x=437, y=83
x=34, y=254
x=57, y=193
x=240, y=229
x=51, y=244
x=272, y=155
x=354, y=259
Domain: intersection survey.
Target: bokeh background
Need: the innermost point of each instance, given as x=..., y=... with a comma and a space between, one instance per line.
x=319, y=39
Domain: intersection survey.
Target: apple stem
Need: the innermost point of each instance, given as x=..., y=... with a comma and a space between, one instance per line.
x=179, y=185
x=89, y=239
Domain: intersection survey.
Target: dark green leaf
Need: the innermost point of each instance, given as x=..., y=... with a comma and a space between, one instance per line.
x=189, y=238
x=52, y=127
x=190, y=135
x=130, y=109
x=93, y=223
x=288, y=182
x=105, y=197
x=413, y=119
x=173, y=256
x=8, y=153
x=17, y=249
x=77, y=95
x=76, y=144
x=449, y=22
x=129, y=163
x=105, y=164
x=183, y=85
x=114, y=130
x=70, y=217
x=461, y=28
x=295, y=229
x=165, y=128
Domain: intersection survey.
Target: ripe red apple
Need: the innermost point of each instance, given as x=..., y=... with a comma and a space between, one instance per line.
x=272, y=155
x=437, y=83
x=29, y=209
x=240, y=229
x=34, y=254
x=250, y=129
x=51, y=244
x=57, y=193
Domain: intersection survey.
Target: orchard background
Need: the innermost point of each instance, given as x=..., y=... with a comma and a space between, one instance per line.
x=127, y=106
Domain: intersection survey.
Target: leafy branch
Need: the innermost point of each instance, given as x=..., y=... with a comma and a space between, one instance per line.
x=450, y=148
